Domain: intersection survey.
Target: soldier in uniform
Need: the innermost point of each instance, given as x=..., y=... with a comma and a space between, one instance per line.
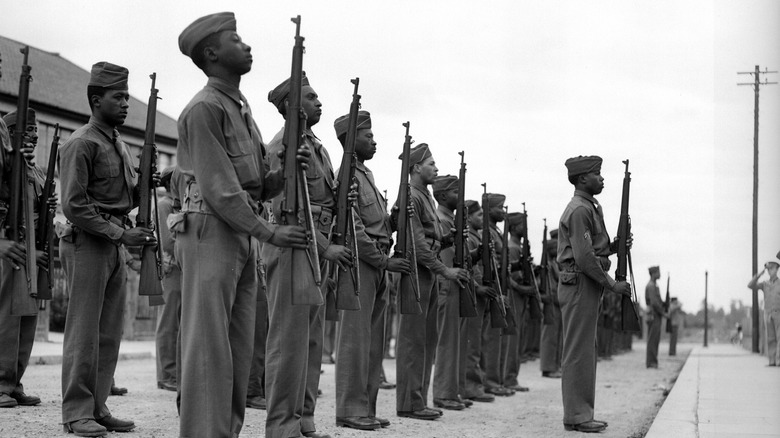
x=583, y=251
x=98, y=191
x=295, y=334
x=550, y=343
x=449, y=356
x=417, y=335
x=655, y=315
x=676, y=319
x=17, y=332
x=361, y=335
x=771, y=288
x=521, y=289
x=168, y=324
x=224, y=179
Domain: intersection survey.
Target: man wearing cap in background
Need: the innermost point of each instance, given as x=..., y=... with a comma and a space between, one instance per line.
x=449, y=357
x=224, y=178
x=655, y=315
x=550, y=343
x=295, y=333
x=676, y=320
x=98, y=191
x=417, y=335
x=361, y=338
x=583, y=251
x=771, y=288
x=17, y=332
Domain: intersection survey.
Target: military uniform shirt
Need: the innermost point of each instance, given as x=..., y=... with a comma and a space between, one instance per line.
x=771, y=290
x=447, y=219
x=427, y=229
x=371, y=221
x=474, y=241
x=653, y=298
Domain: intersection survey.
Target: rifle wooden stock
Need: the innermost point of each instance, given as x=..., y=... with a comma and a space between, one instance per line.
x=150, y=281
x=535, y=300
x=20, y=211
x=489, y=274
x=348, y=290
x=629, y=320
x=303, y=266
x=409, y=286
x=44, y=235
x=466, y=295
x=503, y=280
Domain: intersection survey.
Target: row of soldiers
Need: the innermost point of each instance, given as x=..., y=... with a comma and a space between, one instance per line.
x=232, y=260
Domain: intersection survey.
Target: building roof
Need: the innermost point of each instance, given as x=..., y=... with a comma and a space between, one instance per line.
x=61, y=84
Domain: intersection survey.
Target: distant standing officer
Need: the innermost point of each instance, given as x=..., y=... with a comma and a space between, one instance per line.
x=655, y=315
x=583, y=251
x=98, y=191
x=771, y=288
x=676, y=318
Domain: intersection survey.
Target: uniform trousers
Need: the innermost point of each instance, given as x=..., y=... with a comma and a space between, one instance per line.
x=772, y=322
x=293, y=352
x=17, y=334
x=257, y=372
x=493, y=355
x=513, y=344
x=167, y=335
x=653, y=338
x=448, y=349
x=550, y=344
x=673, y=340
x=361, y=345
x=579, y=315
x=417, y=339
x=95, y=270
x=474, y=375
x=219, y=292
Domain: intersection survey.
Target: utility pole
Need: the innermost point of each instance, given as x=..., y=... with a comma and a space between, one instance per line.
x=756, y=86
x=706, y=310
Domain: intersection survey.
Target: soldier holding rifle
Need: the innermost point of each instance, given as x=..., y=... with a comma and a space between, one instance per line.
x=583, y=251
x=224, y=176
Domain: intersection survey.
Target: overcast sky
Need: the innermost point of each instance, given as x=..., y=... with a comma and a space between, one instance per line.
x=519, y=86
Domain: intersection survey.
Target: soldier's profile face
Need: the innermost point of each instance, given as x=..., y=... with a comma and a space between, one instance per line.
x=475, y=219
x=428, y=170
x=233, y=53
x=112, y=106
x=594, y=182
x=365, y=146
x=310, y=102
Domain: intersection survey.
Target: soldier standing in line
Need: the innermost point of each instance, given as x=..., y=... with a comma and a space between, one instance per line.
x=98, y=191
x=550, y=344
x=583, y=251
x=255, y=396
x=449, y=356
x=17, y=332
x=295, y=334
x=676, y=319
x=362, y=332
x=417, y=335
x=655, y=315
x=224, y=179
x=520, y=289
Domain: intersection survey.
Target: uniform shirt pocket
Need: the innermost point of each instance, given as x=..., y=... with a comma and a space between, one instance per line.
x=244, y=160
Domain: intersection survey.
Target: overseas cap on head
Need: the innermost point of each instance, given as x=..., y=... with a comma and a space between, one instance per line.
x=10, y=118
x=554, y=234
x=203, y=27
x=418, y=154
x=278, y=95
x=109, y=76
x=515, y=218
x=472, y=206
x=165, y=175
x=654, y=270
x=772, y=262
x=342, y=123
x=583, y=164
x=496, y=199
x=444, y=183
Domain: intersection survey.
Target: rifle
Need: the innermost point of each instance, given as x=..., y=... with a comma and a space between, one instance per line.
x=544, y=288
x=467, y=298
x=150, y=281
x=348, y=291
x=405, y=247
x=667, y=306
x=629, y=319
x=506, y=287
x=21, y=227
x=535, y=300
x=296, y=205
x=498, y=316
x=44, y=234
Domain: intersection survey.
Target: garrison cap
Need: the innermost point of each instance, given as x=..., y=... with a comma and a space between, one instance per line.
x=472, y=206
x=109, y=76
x=165, y=175
x=583, y=164
x=552, y=246
x=554, y=234
x=342, y=123
x=444, y=183
x=203, y=27
x=418, y=154
x=278, y=95
x=513, y=219
x=654, y=269
x=10, y=118
x=496, y=199
x=771, y=262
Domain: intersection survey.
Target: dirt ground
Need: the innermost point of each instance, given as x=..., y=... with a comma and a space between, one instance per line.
x=628, y=397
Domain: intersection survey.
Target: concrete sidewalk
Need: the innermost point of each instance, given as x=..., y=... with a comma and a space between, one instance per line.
x=50, y=352
x=722, y=391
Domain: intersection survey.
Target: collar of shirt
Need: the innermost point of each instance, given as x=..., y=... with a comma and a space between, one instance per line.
x=226, y=88
x=590, y=198
x=104, y=128
x=443, y=208
x=359, y=165
x=420, y=186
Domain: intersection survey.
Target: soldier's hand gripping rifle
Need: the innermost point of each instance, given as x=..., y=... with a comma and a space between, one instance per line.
x=21, y=228
x=405, y=246
x=466, y=294
x=44, y=235
x=150, y=281
x=348, y=290
x=629, y=318
x=296, y=206
x=503, y=277
x=535, y=300
x=489, y=272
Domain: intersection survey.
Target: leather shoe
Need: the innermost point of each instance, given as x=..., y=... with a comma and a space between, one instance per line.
x=466, y=402
x=422, y=414
x=386, y=385
x=115, y=390
x=6, y=401
x=26, y=400
x=383, y=422
x=316, y=435
x=361, y=423
x=500, y=391
x=435, y=410
x=167, y=386
x=113, y=424
x=591, y=426
x=518, y=388
x=257, y=402
x=483, y=398
x=85, y=427
x=552, y=374
x=453, y=405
